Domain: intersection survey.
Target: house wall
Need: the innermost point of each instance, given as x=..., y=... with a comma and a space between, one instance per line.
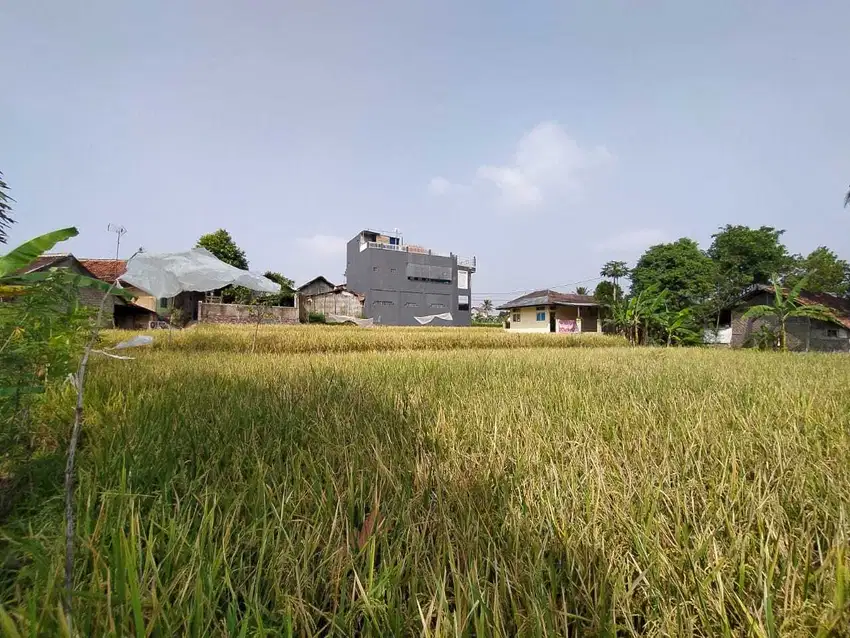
x=315, y=288
x=528, y=321
x=801, y=334
x=393, y=297
x=244, y=314
x=334, y=303
x=589, y=320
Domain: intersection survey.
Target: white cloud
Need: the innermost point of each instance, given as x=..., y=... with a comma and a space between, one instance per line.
x=439, y=186
x=548, y=164
x=322, y=245
x=631, y=241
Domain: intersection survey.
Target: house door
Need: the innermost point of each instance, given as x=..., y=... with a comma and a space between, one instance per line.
x=552, y=326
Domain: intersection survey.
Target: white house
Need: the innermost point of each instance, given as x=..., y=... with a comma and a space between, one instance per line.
x=550, y=311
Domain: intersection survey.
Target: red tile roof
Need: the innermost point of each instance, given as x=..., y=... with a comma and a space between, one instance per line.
x=107, y=270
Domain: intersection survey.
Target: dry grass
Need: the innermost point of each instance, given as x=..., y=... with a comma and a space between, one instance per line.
x=607, y=491
x=307, y=339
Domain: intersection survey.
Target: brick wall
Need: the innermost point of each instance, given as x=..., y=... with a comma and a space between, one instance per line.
x=239, y=313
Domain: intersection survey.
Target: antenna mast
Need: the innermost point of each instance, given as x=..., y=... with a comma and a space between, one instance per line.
x=119, y=230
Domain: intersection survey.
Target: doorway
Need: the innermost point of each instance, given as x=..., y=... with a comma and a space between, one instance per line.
x=552, y=326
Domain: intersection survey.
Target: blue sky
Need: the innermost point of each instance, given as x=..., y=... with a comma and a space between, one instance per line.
x=543, y=137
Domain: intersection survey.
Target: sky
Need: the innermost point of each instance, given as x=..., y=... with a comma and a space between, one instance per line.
x=544, y=138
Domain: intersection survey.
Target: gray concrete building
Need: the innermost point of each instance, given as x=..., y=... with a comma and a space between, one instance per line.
x=401, y=282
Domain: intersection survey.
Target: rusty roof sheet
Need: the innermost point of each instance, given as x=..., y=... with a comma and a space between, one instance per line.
x=840, y=306
x=550, y=298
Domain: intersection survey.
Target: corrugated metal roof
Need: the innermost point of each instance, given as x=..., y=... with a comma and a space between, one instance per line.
x=550, y=298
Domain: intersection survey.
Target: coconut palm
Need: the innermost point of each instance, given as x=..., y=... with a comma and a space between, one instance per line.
x=581, y=290
x=614, y=270
x=847, y=199
x=785, y=306
x=486, y=308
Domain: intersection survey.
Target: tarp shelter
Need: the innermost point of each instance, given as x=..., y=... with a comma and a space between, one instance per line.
x=197, y=270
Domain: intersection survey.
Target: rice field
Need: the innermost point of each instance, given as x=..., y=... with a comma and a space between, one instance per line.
x=408, y=485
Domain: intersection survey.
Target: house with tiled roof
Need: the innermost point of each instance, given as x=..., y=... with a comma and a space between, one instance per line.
x=552, y=311
x=118, y=311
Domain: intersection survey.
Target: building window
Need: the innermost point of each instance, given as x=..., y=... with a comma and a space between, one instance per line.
x=463, y=303
x=541, y=315
x=463, y=279
x=832, y=332
x=517, y=316
x=163, y=302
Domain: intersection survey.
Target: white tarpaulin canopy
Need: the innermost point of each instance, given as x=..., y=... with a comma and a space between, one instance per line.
x=445, y=316
x=169, y=274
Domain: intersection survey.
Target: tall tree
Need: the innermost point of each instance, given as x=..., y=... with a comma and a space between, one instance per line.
x=747, y=256
x=5, y=210
x=221, y=244
x=486, y=308
x=607, y=293
x=680, y=268
x=581, y=290
x=283, y=298
x=787, y=305
x=615, y=270
x=823, y=271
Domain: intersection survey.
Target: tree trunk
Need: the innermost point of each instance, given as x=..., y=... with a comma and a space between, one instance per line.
x=783, y=345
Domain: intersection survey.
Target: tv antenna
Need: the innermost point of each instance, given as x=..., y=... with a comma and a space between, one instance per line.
x=119, y=230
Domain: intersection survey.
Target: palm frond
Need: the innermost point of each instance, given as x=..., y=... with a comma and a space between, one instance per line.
x=756, y=312
x=847, y=199
x=815, y=311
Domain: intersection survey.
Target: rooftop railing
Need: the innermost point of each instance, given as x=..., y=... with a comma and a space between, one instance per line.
x=463, y=262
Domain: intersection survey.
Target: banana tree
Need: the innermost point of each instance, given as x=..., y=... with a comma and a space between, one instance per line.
x=787, y=306
x=22, y=256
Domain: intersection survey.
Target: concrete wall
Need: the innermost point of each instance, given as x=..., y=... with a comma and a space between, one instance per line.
x=334, y=303
x=586, y=318
x=393, y=297
x=802, y=334
x=240, y=313
x=528, y=321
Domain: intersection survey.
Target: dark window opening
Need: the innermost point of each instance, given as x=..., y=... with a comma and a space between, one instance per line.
x=832, y=332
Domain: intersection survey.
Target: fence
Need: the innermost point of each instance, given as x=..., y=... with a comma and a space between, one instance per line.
x=240, y=313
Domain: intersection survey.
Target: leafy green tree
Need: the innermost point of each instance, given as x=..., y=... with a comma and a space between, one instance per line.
x=746, y=256
x=615, y=270
x=607, y=293
x=680, y=268
x=221, y=244
x=581, y=290
x=823, y=271
x=286, y=294
x=5, y=210
x=785, y=306
x=678, y=327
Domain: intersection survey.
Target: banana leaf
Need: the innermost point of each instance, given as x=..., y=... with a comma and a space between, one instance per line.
x=71, y=279
x=28, y=252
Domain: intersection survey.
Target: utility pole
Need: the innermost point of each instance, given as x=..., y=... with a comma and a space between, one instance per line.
x=119, y=231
